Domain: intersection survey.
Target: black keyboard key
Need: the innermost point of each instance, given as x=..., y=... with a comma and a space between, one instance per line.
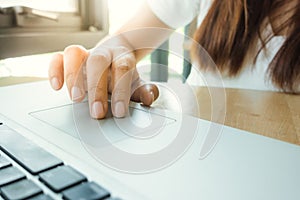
x=4, y=162
x=41, y=197
x=23, y=189
x=9, y=175
x=32, y=157
x=86, y=191
x=61, y=178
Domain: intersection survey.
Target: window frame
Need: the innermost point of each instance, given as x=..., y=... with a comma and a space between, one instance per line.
x=20, y=41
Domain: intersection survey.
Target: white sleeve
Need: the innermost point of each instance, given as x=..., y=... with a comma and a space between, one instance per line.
x=175, y=13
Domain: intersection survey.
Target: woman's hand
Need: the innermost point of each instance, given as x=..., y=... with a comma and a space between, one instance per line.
x=110, y=67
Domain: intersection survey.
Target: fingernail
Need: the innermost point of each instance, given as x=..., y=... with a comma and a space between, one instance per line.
x=120, y=109
x=55, y=83
x=148, y=100
x=97, y=109
x=76, y=93
x=152, y=96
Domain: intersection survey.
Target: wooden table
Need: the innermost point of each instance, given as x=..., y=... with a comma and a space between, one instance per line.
x=272, y=114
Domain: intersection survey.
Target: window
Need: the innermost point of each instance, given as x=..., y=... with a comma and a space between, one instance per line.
x=40, y=26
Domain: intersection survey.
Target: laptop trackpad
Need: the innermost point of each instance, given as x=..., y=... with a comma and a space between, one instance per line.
x=73, y=119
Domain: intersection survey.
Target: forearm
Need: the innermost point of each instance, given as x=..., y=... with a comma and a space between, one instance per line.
x=144, y=32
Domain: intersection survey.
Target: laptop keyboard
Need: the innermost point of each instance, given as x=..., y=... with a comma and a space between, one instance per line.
x=48, y=177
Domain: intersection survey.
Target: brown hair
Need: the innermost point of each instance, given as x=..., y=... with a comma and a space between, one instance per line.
x=235, y=30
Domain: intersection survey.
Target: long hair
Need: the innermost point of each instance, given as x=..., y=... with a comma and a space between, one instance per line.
x=235, y=31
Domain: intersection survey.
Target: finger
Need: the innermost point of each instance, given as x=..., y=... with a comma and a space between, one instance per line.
x=74, y=60
x=56, y=71
x=97, y=73
x=146, y=93
x=122, y=73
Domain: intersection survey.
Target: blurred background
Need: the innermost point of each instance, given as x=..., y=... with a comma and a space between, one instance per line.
x=30, y=31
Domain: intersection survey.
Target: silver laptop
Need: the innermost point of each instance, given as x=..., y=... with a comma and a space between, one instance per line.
x=52, y=149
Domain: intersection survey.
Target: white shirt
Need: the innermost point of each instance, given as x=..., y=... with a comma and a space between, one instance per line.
x=177, y=13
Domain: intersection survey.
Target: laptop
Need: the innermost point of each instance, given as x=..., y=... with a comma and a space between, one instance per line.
x=51, y=149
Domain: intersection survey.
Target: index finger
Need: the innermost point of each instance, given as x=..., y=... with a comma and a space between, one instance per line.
x=122, y=74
